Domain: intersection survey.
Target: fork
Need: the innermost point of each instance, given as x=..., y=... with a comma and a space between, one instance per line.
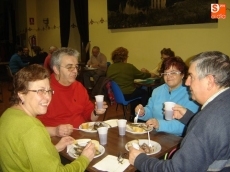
x=136, y=118
x=150, y=145
x=120, y=158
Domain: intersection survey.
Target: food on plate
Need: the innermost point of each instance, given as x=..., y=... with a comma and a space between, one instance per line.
x=80, y=146
x=99, y=124
x=144, y=146
x=96, y=143
x=85, y=125
x=139, y=127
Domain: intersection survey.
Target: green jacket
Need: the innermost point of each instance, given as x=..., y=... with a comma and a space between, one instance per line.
x=124, y=74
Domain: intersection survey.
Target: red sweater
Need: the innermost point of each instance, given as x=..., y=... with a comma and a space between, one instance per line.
x=69, y=105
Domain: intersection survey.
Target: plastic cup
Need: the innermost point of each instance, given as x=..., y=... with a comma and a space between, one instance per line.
x=121, y=123
x=99, y=101
x=168, y=110
x=103, y=132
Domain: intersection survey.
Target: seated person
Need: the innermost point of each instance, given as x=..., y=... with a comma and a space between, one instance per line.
x=16, y=62
x=123, y=74
x=25, y=143
x=173, y=71
x=70, y=104
x=97, y=60
x=26, y=58
x=165, y=53
x=48, y=57
x=39, y=57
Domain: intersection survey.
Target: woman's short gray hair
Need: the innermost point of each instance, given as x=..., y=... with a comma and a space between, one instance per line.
x=58, y=54
x=213, y=63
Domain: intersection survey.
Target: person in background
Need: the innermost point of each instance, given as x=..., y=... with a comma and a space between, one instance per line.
x=70, y=104
x=165, y=53
x=39, y=57
x=205, y=146
x=173, y=70
x=26, y=55
x=99, y=61
x=25, y=142
x=48, y=57
x=16, y=62
x=123, y=74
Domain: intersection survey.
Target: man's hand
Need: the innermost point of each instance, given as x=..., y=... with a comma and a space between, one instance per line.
x=133, y=153
x=178, y=111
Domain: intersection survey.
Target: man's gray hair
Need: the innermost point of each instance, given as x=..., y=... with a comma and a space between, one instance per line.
x=213, y=63
x=58, y=54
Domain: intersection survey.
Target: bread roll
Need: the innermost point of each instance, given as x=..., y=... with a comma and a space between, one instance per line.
x=96, y=143
x=85, y=125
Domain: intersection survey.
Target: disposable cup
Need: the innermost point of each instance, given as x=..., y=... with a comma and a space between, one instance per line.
x=121, y=123
x=168, y=110
x=103, y=132
x=99, y=101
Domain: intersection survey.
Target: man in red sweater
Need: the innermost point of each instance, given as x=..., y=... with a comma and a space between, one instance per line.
x=70, y=104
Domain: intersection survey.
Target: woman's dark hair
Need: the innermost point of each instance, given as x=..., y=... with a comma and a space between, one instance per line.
x=176, y=62
x=23, y=77
x=120, y=54
x=168, y=51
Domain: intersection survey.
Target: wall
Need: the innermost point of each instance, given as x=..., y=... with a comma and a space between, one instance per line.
x=50, y=35
x=144, y=44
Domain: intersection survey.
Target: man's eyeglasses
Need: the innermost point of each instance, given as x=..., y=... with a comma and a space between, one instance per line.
x=42, y=92
x=71, y=68
x=173, y=73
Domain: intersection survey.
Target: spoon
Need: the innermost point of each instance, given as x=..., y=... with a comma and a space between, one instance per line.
x=136, y=118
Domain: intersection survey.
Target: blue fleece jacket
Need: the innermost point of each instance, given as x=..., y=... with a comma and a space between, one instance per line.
x=154, y=108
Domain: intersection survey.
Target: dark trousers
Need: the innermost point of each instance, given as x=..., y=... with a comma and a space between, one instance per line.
x=139, y=92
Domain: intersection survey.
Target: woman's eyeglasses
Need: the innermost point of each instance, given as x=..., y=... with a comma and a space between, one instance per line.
x=173, y=73
x=42, y=92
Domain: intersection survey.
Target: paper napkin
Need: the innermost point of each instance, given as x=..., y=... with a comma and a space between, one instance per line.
x=110, y=164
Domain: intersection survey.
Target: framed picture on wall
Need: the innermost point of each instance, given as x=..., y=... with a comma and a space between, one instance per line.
x=145, y=13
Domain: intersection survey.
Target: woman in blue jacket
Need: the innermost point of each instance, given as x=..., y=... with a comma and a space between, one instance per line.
x=173, y=71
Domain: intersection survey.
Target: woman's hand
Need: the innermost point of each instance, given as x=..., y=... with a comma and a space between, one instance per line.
x=142, y=110
x=178, y=111
x=64, y=130
x=89, y=151
x=61, y=145
x=101, y=111
x=153, y=123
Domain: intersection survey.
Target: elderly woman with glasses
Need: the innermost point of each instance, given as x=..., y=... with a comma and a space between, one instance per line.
x=25, y=142
x=173, y=70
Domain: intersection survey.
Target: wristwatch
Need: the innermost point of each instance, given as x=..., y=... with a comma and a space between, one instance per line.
x=95, y=114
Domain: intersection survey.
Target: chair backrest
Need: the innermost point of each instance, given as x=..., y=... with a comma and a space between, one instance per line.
x=9, y=73
x=118, y=95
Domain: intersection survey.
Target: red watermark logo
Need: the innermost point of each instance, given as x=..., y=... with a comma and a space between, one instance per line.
x=218, y=11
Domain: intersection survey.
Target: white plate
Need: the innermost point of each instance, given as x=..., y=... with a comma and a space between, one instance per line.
x=156, y=145
x=111, y=122
x=91, y=125
x=129, y=130
x=82, y=142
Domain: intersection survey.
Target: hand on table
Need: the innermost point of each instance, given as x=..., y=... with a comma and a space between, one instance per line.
x=61, y=145
x=64, y=130
x=178, y=111
x=133, y=153
x=153, y=123
x=142, y=110
x=89, y=151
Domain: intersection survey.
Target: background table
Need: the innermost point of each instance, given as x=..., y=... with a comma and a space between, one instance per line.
x=117, y=143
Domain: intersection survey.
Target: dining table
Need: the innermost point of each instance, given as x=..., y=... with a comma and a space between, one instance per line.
x=116, y=144
x=149, y=83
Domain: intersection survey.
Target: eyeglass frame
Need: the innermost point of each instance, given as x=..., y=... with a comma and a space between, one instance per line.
x=43, y=91
x=71, y=68
x=173, y=73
